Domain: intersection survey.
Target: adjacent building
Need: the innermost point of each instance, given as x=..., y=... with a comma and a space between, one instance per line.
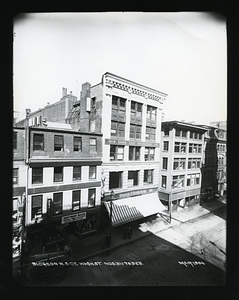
x=180, y=165
x=57, y=175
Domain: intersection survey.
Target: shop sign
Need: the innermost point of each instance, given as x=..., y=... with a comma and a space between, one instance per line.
x=73, y=218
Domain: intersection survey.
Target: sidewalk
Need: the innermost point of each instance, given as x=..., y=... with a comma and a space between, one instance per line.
x=92, y=245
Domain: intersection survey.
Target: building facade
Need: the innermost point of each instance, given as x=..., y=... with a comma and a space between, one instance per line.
x=57, y=175
x=129, y=116
x=214, y=168
x=181, y=162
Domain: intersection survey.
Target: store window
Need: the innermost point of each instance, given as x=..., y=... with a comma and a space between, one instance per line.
x=116, y=152
x=115, y=180
x=149, y=153
x=134, y=153
x=163, y=182
x=57, y=204
x=76, y=200
x=92, y=172
x=37, y=175
x=77, y=143
x=58, y=143
x=165, y=163
x=14, y=144
x=58, y=174
x=76, y=173
x=15, y=176
x=36, y=206
x=148, y=176
x=38, y=142
x=91, y=198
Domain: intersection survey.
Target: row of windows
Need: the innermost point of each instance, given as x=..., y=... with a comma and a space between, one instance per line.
x=136, y=108
x=37, y=174
x=55, y=205
x=118, y=130
x=180, y=163
x=178, y=181
x=182, y=147
x=116, y=178
x=38, y=143
x=117, y=153
x=183, y=134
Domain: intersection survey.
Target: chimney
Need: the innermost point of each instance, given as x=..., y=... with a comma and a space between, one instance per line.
x=28, y=111
x=84, y=114
x=64, y=92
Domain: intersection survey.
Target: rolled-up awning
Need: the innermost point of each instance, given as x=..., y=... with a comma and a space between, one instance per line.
x=134, y=208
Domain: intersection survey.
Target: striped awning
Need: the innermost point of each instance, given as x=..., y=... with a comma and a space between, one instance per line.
x=134, y=208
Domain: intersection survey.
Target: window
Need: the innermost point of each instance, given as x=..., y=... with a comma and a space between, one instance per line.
x=14, y=140
x=115, y=180
x=149, y=153
x=135, y=131
x=148, y=176
x=57, y=204
x=165, y=146
x=134, y=153
x=132, y=178
x=116, y=152
x=165, y=163
x=163, y=181
x=150, y=133
x=58, y=174
x=58, y=143
x=178, y=181
x=193, y=179
x=14, y=209
x=91, y=198
x=93, y=103
x=92, y=145
x=92, y=172
x=117, y=129
x=179, y=163
x=118, y=105
x=15, y=176
x=136, y=109
x=180, y=147
x=36, y=206
x=151, y=113
x=38, y=142
x=195, y=148
x=76, y=196
x=37, y=175
x=166, y=131
x=194, y=163
x=77, y=144
x=76, y=173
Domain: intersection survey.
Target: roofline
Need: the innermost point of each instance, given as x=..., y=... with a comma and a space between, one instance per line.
x=175, y=123
x=134, y=83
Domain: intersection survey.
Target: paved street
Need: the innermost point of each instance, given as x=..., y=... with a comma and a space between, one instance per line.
x=188, y=254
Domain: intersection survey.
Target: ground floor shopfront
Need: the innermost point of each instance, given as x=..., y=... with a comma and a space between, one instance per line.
x=180, y=199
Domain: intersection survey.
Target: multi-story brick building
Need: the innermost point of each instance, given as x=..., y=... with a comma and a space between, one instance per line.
x=181, y=161
x=57, y=173
x=129, y=116
x=214, y=169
